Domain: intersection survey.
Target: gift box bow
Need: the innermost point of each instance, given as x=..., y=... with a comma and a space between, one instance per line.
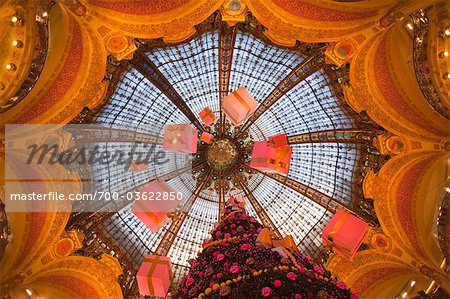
x=175, y=135
x=287, y=243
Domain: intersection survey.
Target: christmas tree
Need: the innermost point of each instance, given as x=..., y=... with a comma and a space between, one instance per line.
x=242, y=261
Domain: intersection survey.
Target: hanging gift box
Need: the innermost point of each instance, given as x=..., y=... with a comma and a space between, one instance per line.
x=206, y=137
x=269, y=159
x=239, y=105
x=180, y=138
x=237, y=202
x=277, y=141
x=207, y=116
x=344, y=233
x=136, y=166
x=154, y=276
x=150, y=206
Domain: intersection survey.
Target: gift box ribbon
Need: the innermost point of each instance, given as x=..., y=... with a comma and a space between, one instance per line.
x=208, y=113
x=277, y=140
x=278, y=164
x=241, y=100
x=175, y=136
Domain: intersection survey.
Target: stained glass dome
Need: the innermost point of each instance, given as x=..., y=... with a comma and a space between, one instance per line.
x=299, y=96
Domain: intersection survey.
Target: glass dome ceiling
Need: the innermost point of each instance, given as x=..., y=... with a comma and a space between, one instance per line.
x=168, y=84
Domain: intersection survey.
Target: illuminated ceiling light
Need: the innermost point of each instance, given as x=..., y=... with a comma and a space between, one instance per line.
x=413, y=283
x=17, y=20
x=446, y=76
x=443, y=54
x=45, y=14
x=410, y=26
x=404, y=295
x=17, y=43
x=11, y=66
x=29, y=293
x=447, y=32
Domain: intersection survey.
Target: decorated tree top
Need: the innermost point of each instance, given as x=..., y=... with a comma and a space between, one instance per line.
x=243, y=261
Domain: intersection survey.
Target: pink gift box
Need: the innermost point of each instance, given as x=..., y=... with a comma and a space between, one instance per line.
x=207, y=116
x=180, y=138
x=154, y=276
x=151, y=208
x=236, y=202
x=138, y=166
x=269, y=159
x=345, y=233
x=238, y=105
x=206, y=137
x=277, y=141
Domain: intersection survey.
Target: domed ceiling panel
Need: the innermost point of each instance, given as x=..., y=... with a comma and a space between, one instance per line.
x=259, y=66
x=326, y=167
x=310, y=107
x=192, y=69
x=138, y=101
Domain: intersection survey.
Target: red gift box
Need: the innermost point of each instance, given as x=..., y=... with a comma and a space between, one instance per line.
x=206, y=137
x=238, y=105
x=277, y=141
x=345, y=233
x=207, y=116
x=154, y=276
x=269, y=159
x=180, y=138
x=138, y=167
x=150, y=208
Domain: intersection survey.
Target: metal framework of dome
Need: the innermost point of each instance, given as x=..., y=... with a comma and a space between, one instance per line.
x=300, y=96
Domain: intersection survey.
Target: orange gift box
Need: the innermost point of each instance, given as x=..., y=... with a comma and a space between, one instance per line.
x=138, y=167
x=277, y=141
x=207, y=116
x=154, y=276
x=206, y=137
x=180, y=138
x=238, y=105
x=269, y=159
x=345, y=233
x=150, y=209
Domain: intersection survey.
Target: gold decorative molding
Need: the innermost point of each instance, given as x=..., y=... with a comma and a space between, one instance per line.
x=366, y=93
x=321, y=21
x=119, y=45
x=341, y=52
x=233, y=11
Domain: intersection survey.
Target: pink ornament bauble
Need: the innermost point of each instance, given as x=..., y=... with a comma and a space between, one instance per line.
x=291, y=275
x=266, y=292
x=277, y=283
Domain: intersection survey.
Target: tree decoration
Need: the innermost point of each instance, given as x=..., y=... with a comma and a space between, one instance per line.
x=233, y=264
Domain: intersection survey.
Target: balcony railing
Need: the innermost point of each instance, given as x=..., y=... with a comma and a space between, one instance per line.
x=422, y=67
x=39, y=56
x=4, y=230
